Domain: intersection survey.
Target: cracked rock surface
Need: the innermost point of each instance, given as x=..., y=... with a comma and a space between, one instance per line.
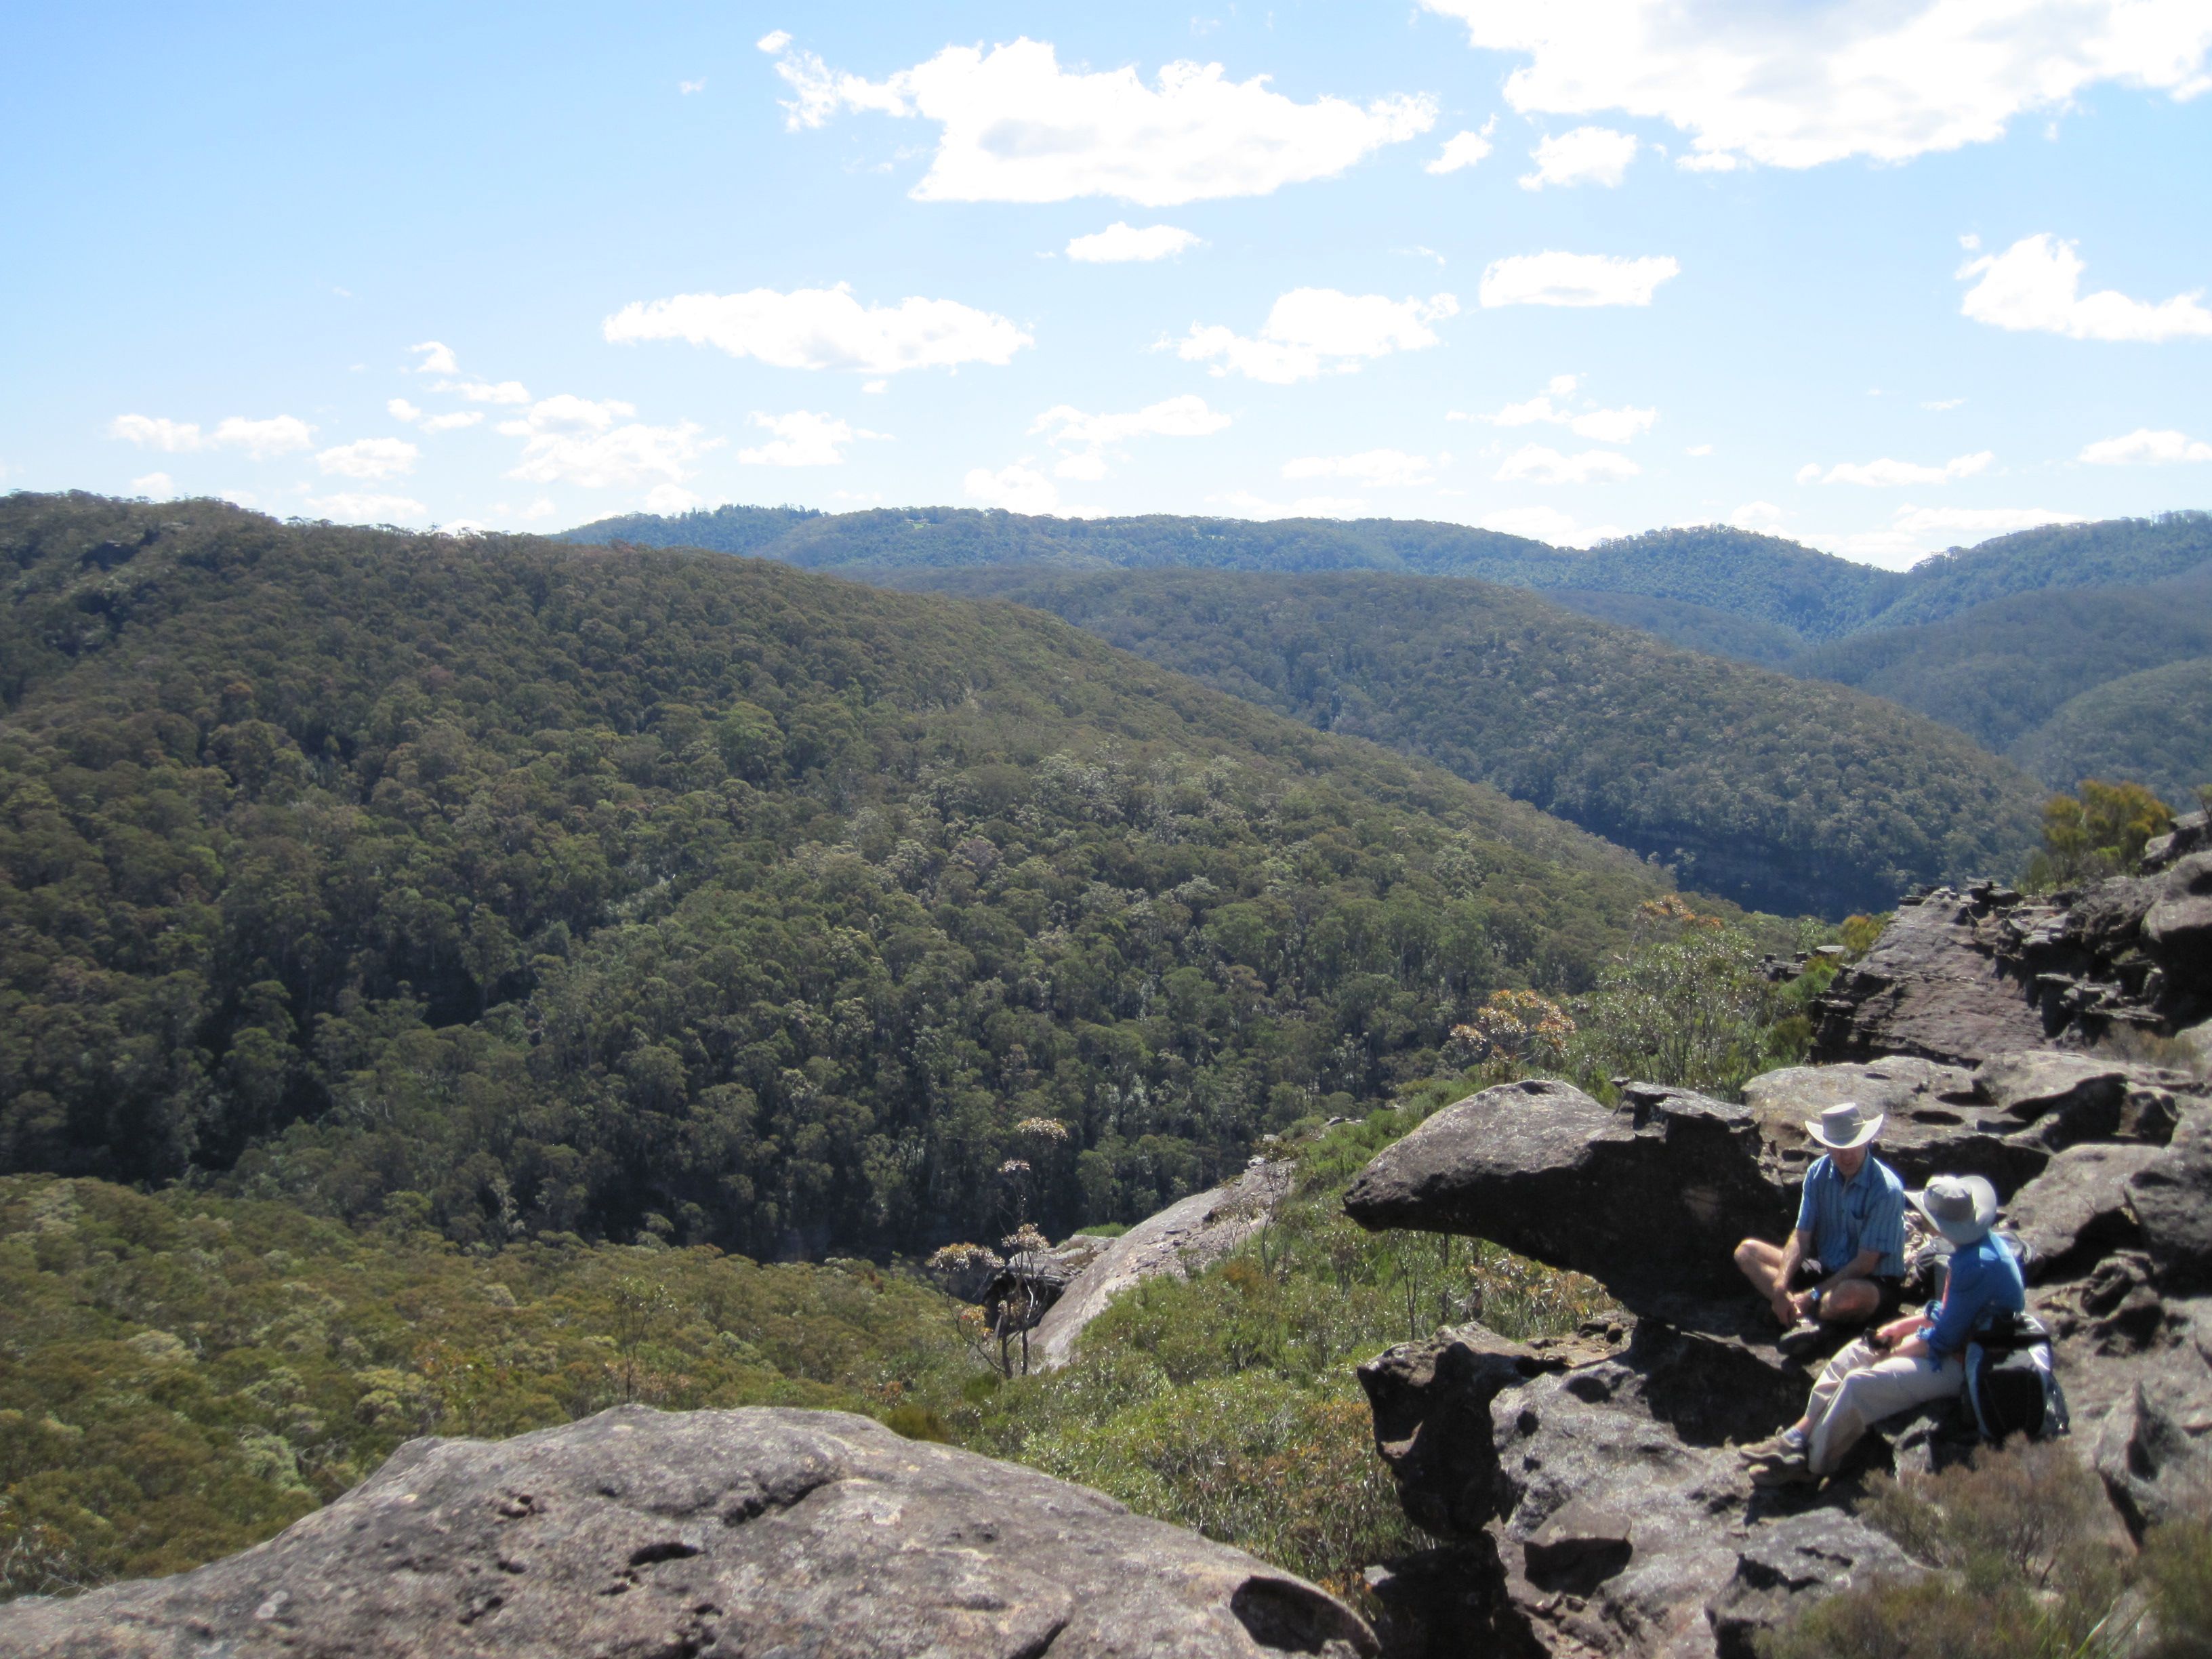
x=679, y=1535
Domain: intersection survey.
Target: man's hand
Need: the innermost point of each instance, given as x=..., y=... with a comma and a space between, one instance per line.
x=1898, y=1330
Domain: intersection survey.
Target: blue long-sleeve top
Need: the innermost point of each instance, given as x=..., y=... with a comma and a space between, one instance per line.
x=1984, y=1278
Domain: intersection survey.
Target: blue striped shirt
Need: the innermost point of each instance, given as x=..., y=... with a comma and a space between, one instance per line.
x=1866, y=1212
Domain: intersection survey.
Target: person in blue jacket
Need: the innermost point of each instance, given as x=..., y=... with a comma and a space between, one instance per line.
x=1910, y=1361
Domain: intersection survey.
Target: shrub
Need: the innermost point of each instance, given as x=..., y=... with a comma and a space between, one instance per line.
x=2024, y=1557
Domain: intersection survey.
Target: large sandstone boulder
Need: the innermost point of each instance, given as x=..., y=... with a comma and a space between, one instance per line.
x=1181, y=1239
x=2177, y=930
x=2172, y=1196
x=1934, y=985
x=1650, y=1196
x=1937, y=1125
x=2077, y=1211
x=759, y=1532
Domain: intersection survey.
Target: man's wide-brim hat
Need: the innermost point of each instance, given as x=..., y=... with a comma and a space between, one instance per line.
x=1843, y=1127
x=1960, y=1207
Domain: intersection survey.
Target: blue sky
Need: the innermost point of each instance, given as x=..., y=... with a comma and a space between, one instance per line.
x=1886, y=277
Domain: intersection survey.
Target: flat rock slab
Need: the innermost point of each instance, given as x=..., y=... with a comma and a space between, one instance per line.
x=751, y=1532
x=1650, y=1196
x=1180, y=1239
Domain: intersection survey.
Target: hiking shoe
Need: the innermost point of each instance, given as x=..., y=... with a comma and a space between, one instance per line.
x=1803, y=1338
x=1774, y=1446
x=1789, y=1471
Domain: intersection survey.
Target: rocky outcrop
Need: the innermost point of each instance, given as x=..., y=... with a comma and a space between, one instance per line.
x=738, y=1532
x=1180, y=1239
x=1581, y=1524
x=1961, y=976
x=1586, y=1494
x=1650, y=1196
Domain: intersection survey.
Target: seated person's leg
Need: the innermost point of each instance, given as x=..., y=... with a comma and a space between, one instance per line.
x=1852, y=1302
x=1761, y=1263
x=1869, y=1392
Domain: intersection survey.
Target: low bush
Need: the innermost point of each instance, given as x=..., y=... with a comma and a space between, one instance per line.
x=2024, y=1558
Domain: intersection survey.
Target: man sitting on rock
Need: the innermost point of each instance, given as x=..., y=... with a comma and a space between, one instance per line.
x=1847, y=1250
x=1911, y=1361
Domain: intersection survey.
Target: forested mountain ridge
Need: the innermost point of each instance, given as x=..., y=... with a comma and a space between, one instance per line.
x=527, y=887
x=1970, y=638
x=1814, y=595
x=1765, y=580
x=1781, y=794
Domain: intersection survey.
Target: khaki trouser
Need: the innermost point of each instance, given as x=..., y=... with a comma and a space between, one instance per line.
x=1860, y=1386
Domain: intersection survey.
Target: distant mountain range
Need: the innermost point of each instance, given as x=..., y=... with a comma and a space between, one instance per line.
x=1968, y=638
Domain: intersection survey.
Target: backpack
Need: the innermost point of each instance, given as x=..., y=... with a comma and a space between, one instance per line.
x=2012, y=1386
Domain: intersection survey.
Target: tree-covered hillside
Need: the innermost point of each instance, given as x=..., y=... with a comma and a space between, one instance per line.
x=527, y=887
x=2004, y=669
x=2053, y=558
x=2153, y=728
x=1779, y=793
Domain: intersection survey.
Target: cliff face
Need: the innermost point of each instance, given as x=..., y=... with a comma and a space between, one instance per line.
x=679, y=1535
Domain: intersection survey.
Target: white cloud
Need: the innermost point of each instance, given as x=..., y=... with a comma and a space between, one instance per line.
x=1547, y=524
x=486, y=392
x=437, y=358
x=278, y=435
x=1119, y=243
x=577, y=441
x=1085, y=438
x=370, y=457
x=803, y=439
x=1588, y=156
x=160, y=486
x=1369, y=468
x=157, y=432
x=773, y=41
x=1797, y=86
x=1762, y=516
x=670, y=498
x=1016, y=127
x=1941, y=405
x=2144, y=447
x=825, y=328
x=1886, y=474
x=1461, y=150
x=1604, y=426
x=1243, y=504
x=1699, y=449
x=1017, y=489
x=1312, y=330
x=1534, y=464
x=1186, y=416
x=400, y=410
x=2036, y=285
x=351, y=508
x=685, y=88
x=1574, y=279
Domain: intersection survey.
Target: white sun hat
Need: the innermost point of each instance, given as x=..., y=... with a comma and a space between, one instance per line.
x=1842, y=1127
